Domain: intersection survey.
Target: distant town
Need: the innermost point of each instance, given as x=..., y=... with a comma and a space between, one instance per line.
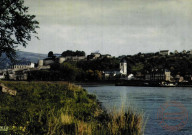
x=163, y=68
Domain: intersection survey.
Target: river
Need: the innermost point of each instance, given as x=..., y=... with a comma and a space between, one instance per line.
x=149, y=101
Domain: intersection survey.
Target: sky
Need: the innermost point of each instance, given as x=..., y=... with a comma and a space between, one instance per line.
x=116, y=27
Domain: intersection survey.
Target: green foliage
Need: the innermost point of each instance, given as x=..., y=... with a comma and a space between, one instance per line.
x=35, y=102
x=99, y=64
x=73, y=53
x=68, y=71
x=58, y=72
x=50, y=54
x=60, y=108
x=137, y=67
x=16, y=26
x=146, y=62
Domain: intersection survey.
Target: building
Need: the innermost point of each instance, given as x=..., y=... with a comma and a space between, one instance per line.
x=93, y=56
x=45, y=64
x=96, y=55
x=158, y=75
x=75, y=58
x=106, y=56
x=164, y=52
x=122, y=71
x=21, y=75
x=111, y=74
x=2, y=75
x=10, y=74
x=184, y=52
x=22, y=65
x=48, y=61
x=176, y=52
x=123, y=67
x=190, y=51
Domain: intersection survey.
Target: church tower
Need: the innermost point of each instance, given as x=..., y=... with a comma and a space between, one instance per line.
x=123, y=67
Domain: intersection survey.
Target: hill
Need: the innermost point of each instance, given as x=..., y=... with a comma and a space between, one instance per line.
x=22, y=56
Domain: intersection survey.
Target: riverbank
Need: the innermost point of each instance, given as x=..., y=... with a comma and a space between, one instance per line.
x=96, y=83
x=61, y=108
x=146, y=83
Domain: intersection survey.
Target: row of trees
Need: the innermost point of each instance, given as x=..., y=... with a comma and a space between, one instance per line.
x=67, y=72
x=67, y=53
x=73, y=53
x=92, y=70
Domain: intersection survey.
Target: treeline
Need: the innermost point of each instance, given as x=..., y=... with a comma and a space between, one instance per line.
x=92, y=70
x=176, y=63
x=68, y=53
x=73, y=53
x=76, y=71
x=65, y=72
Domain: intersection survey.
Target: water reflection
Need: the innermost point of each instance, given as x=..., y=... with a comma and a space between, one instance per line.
x=147, y=99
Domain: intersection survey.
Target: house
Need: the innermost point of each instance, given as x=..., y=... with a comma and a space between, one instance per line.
x=2, y=76
x=22, y=65
x=21, y=75
x=164, y=52
x=158, y=75
x=111, y=74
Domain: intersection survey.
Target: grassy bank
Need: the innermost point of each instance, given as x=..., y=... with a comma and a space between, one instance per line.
x=57, y=108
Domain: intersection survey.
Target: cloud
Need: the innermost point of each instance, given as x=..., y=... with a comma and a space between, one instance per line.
x=112, y=26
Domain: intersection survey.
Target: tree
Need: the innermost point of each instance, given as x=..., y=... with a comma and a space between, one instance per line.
x=72, y=53
x=98, y=75
x=68, y=71
x=67, y=53
x=16, y=26
x=50, y=54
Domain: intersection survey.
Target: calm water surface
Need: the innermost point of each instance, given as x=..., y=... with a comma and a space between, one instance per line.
x=147, y=100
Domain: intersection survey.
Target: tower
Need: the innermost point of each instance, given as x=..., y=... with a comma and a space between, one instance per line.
x=40, y=63
x=123, y=67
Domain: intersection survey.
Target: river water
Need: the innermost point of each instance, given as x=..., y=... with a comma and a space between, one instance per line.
x=150, y=101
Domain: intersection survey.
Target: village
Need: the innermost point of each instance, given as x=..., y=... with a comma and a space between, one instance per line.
x=163, y=76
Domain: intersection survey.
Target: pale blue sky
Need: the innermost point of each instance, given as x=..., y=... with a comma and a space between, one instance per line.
x=116, y=27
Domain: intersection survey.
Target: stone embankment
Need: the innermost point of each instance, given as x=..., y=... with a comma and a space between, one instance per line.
x=4, y=89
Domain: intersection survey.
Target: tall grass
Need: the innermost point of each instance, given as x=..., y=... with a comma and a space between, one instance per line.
x=62, y=109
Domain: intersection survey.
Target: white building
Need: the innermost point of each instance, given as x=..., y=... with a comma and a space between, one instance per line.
x=2, y=75
x=164, y=52
x=22, y=65
x=123, y=67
